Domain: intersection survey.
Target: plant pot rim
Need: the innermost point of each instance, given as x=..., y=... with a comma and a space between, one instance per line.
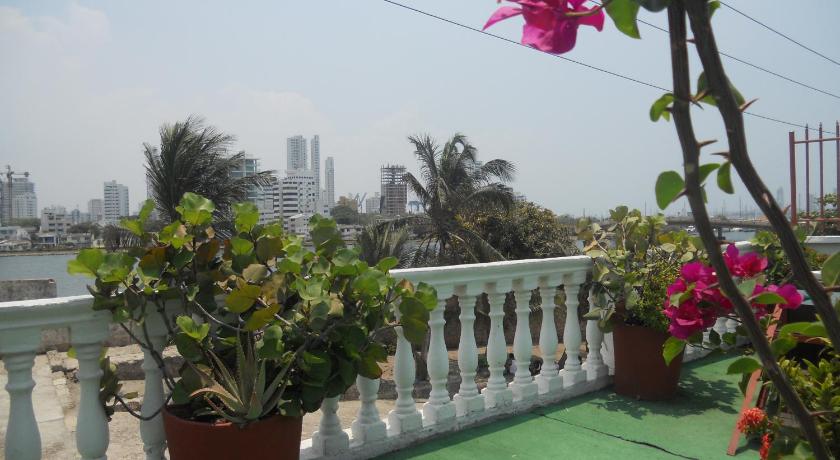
x=221, y=423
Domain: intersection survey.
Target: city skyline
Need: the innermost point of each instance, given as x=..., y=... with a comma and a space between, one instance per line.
x=84, y=64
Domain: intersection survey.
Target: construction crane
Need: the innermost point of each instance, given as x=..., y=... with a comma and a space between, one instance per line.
x=360, y=200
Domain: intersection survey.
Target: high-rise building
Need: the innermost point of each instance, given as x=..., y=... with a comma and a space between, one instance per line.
x=329, y=172
x=298, y=194
x=315, y=148
x=372, y=203
x=95, y=210
x=270, y=201
x=394, y=190
x=114, y=202
x=296, y=153
x=780, y=196
x=56, y=219
x=249, y=167
x=17, y=197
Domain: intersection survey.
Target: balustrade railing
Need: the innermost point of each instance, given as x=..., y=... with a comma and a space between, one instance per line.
x=371, y=433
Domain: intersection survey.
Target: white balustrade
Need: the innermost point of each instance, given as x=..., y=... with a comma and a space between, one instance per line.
x=468, y=400
x=330, y=439
x=572, y=372
x=369, y=435
x=549, y=380
x=368, y=426
x=92, y=426
x=594, y=365
x=439, y=409
x=405, y=417
x=151, y=431
x=497, y=394
x=18, y=348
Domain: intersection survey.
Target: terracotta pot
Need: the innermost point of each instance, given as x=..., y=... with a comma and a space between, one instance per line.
x=640, y=370
x=274, y=438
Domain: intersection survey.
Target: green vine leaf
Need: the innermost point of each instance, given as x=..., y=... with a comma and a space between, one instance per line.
x=659, y=109
x=724, y=178
x=623, y=13
x=745, y=365
x=669, y=185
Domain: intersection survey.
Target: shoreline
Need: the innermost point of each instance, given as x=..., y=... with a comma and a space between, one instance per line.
x=58, y=252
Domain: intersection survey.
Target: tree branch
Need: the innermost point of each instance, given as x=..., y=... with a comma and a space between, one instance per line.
x=733, y=119
x=691, y=158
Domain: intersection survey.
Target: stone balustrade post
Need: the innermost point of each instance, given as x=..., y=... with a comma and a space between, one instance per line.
x=468, y=400
x=549, y=380
x=92, y=434
x=404, y=417
x=497, y=393
x=523, y=386
x=594, y=365
x=330, y=440
x=18, y=348
x=572, y=372
x=151, y=431
x=439, y=409
x=368, y=426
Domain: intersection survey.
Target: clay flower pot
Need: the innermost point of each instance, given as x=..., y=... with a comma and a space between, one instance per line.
x=274, y=438
x=640, y=370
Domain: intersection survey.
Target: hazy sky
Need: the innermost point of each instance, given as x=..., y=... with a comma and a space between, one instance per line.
x=84, y=83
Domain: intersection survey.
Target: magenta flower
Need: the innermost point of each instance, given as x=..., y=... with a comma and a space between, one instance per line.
x=547, y=24
x=688, y=319
x=746, y=266
x=793, y=299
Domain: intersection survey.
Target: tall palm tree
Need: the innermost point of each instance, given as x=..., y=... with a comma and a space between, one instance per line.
x=378, y=241
x=451, y=185
x=194, y=157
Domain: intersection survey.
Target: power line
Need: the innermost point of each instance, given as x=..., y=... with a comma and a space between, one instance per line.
x=786, y=37
x=750, y=64
x=573, y=61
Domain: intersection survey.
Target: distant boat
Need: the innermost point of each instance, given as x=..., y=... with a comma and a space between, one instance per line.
x=691, y=229
x=737, y=229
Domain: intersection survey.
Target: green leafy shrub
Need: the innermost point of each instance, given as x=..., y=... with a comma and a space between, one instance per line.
x=266, y=326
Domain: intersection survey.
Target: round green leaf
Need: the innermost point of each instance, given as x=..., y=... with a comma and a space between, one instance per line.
x=745, y=365
x=669, y=185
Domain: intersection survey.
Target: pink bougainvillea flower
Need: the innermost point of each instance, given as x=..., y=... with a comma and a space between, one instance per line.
x=745, y=266
x=547, y=24
x=698, y=271
x=687, y=319
x=793, y=299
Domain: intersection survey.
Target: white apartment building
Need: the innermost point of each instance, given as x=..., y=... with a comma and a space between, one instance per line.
x=95, y=210
x=114, y=202
x=55, y=219
x=315, y=147
x=296, y=153
x=329, y=172
x=17, y=198
x=298, y=194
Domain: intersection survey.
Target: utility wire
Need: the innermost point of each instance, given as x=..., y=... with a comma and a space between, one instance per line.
x=747, y=63
x=786, y=37
x=580, y=63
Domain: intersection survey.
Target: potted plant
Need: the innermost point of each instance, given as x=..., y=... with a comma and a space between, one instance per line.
x=267, y=327
x=634, y=262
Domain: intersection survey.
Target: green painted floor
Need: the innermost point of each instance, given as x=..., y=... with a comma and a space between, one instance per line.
x=602, y=425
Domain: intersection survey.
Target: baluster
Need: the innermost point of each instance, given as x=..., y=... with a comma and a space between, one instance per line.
x=468, y=400
x=608, y=353
x=18, y=347
x=92, y=426
x=720, y=328
x=594, y=365
x=151, y=431
x=572, y=372
x=549, y=379
x=497, y=393
x=523, y=386
x=368, y=426
x=439, y=409
x=405, y=417
x=330, y=439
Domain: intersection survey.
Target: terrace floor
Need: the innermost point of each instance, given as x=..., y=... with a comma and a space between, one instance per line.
x=602, y=425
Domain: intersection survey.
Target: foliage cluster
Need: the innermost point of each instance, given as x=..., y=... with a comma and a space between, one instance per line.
x=265, y=325
x=634, y=261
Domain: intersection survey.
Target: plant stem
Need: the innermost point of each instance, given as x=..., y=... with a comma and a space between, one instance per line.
x=733, y=119
x=691, y=157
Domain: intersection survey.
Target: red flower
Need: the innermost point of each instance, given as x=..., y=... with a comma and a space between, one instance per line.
x=746, y=266
x=764, y=452
x=548, y=27
x=753, y=421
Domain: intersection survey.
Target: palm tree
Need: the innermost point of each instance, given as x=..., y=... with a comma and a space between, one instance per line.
x=452, y=184
x=378, y=241
x=194, y=157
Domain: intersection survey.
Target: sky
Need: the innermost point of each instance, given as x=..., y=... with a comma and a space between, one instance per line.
x=83, y=84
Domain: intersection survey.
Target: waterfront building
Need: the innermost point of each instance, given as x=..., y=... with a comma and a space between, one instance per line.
x=17, y=197
x=114, y=202
x=394, y=190
x=372, y=203
x=95, y=210
x=56, y=219
x=296, y=153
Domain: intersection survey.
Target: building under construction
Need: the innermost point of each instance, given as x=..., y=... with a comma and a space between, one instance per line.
x=394, y=190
